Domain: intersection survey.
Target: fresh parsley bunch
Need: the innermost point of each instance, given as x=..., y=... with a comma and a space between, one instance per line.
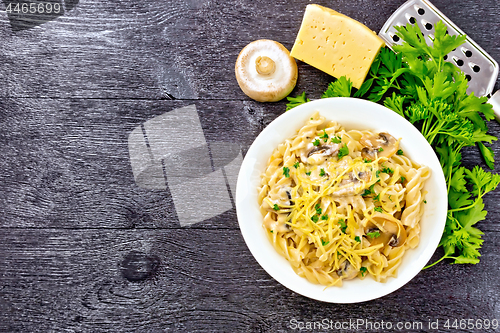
x=419, y=85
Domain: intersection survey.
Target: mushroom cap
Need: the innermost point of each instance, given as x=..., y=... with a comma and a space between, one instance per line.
x=257, y=76
x=373, y=143
x=392, y=232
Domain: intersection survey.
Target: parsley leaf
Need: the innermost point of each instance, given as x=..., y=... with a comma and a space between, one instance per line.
x=324, y=136
x=296, y=165
x=357, y=239
x=324, y=243
x=322, y=172
x=363, y=270
x=343, y=225
x=318, y=209
x=286, y=172
x=339, y=88
x=276, y=207
x=378, y=209
x=344, y=151
x=296, y=101
x=387, y=170
x=316, y=142
x=373, y=234
x=336, y=139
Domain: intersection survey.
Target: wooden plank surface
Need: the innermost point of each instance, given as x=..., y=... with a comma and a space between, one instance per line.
x=184, y=50
x=203, y=281
x=84, y=249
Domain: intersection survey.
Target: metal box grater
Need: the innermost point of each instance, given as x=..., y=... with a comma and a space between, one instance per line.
x=480, y=68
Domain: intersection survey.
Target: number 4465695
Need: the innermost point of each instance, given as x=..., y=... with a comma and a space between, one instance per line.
x=32, y=8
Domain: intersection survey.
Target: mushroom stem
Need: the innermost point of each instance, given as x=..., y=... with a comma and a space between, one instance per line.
x=265, y=65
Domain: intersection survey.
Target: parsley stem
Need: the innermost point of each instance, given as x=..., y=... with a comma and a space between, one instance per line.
x=442, y=258
x=480, y=195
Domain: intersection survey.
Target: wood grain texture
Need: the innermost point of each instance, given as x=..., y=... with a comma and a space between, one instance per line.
x=66, y=161
x=181, y=49
x=83, y=249
x=204, y=281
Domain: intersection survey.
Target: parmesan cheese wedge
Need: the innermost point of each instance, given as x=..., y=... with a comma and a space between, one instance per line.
x=336, y=44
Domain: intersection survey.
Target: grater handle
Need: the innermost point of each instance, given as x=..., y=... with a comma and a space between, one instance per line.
x=495, y=101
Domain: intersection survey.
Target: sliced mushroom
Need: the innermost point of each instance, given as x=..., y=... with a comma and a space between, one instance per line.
x=381, y=144
x=347, y=271
x=265, y=71
x=392, y=233
x=352, y=185
x=318, y=153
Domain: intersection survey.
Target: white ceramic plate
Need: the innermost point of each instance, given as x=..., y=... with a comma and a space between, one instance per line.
x=351, y=113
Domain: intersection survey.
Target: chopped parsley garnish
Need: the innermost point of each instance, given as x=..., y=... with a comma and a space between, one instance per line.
x=381, y=149
x=322, y=172
x=366, y=160
x=425, y=201
x=316, y=142
x=315, y=218
x=286, y=172
x=324, y=217
x=373, y=234
x=308, y=173
x=399, y=152
x=336, y=139
x=344, y=151
x=296, y=165
x=378, y=209
x=357, y=239
x=324, y=243
x=377, y=197
x=402, y=179
x=271, y=231
x=318, y=209
x=363, y=271
x=343, y=225
x=276, y=207
x=388, y=170
x=368, y=191
x=324, y=136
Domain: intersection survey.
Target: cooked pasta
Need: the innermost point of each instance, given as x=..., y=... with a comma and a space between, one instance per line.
x=342, y=204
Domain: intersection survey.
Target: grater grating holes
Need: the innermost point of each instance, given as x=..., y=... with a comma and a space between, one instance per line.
x=476, y=64
x=458, y=61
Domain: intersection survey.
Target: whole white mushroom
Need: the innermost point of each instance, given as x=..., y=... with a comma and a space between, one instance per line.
x=265, y=71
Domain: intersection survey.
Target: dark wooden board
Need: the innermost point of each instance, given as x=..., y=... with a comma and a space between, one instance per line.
x=66, y=161
x=180, y=49
x=193, y=280
x=84, y=249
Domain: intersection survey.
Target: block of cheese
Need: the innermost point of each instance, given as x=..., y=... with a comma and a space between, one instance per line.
x=336, y=44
